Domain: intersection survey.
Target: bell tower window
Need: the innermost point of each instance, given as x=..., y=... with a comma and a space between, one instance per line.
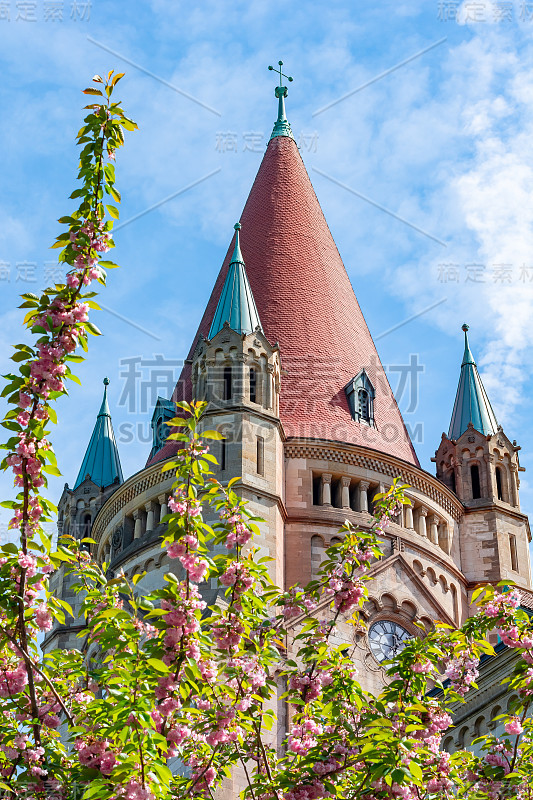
x=476, y=486
x=228, y=388
x=514, y=554
x=253, y=385
x=499, y=487
x=360, y=395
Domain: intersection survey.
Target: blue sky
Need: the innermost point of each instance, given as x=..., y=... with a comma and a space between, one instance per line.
x=443, y=142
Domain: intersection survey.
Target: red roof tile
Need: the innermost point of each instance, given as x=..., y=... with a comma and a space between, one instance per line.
x=306, y=303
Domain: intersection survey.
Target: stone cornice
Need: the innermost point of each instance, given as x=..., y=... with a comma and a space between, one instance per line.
x=367, y=458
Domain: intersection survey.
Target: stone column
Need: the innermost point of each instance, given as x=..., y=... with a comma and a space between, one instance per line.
x=269, y=381
x=409, y=523
x=137, y=516
x=491, y=475
x=422, y=514
x=163, y=502
x=326, y=489
x=107, y=552
x=513, y=478
x=150, y=508
x=434, y=529
x=363, y=495
x=345, y=492
x=239, y=388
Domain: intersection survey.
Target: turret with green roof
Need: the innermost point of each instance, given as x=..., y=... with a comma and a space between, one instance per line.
x=236, y=305
x=472, y=404
x=102, y=461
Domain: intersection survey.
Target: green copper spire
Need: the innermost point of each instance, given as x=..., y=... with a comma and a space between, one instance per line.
x=236, y=305
x=281, y=126
x=472, y=404
x=102, y=461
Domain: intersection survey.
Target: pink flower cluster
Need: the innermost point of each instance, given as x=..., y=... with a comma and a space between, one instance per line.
x=349, y=595
x=227, y=632
x=96, y=754
x=181, y=503
x=13, y=681
x=195, y=565
x=313, y=790
x=502, y=605
x=181, y=619
x=43, y=618
x=310, y=686
x=238, y=577
x=133, y=790
x=462, y=672
x=239, y=534
x=302, y=737
x=514, y=727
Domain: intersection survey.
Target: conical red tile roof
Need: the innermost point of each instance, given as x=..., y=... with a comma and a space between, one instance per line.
x=306, y=303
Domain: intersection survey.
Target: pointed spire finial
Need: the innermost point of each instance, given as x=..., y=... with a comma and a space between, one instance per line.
x=104, y=408
x=468, y=358
x=101, y=461
x=472, y=406
x=282, y=126
x=237, y=255
x=236, y=305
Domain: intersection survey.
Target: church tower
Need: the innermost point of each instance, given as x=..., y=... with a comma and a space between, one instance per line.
x=480, y=464
x=99, y=477
x=237, y=371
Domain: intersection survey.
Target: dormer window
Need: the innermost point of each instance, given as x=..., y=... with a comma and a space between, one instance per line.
x=360, y=395
x=163, y=412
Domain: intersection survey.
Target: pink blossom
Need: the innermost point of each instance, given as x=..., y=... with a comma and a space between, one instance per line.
x=514, y=726
x=43, y=618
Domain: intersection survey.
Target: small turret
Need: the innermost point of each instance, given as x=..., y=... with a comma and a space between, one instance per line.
x=480, y=464
x=236, y=306
x=472, y=405
x=101, y=462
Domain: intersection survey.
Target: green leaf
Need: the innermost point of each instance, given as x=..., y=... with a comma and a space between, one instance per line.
x=115, y=194
x=113, y=211
x=51, y=470
x=93, y=329
x=158, y=665
x=109, y=264
x=212, y=435
x=416, y=770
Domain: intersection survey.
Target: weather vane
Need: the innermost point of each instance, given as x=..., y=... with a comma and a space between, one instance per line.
x=281, y=75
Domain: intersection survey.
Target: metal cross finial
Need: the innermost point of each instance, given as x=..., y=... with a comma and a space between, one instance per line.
x=281, y=74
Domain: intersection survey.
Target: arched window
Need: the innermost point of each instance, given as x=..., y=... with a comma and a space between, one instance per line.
x=253, y=385
x=499, y=486
x=476, y=486
x=364, y=405
x=514, y=553
x=452, y=481
x=260, y=456
x=228, y=387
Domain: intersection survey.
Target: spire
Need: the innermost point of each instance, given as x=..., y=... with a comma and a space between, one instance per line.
x=236, y=304
x=307, y=306
x=472, y=404
x=281, y=126
x=101, y=462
